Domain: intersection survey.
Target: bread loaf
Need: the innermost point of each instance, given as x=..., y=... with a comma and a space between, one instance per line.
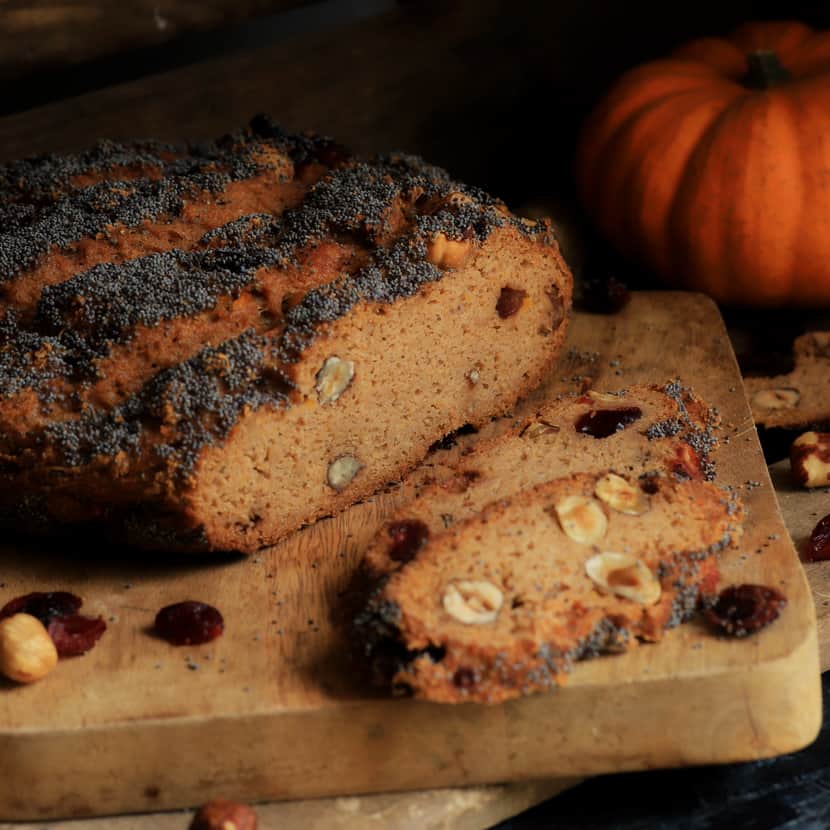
x=206, y=348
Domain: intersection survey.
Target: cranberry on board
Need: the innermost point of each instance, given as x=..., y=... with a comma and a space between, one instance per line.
x=189, y=623
x=76, y=634
x=604, y=295
x=72, y=633
x=45, y=605
x=741, y=610
x=818, y=545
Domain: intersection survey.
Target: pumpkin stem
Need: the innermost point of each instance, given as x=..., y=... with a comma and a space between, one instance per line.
x=764, y=70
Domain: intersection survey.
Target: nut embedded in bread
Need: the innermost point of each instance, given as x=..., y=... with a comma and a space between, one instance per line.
x=209, y=363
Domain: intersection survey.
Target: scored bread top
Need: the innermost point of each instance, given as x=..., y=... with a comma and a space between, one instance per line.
x=131, y=342
x=179, y=324
x=500, y=604
x=673, y=433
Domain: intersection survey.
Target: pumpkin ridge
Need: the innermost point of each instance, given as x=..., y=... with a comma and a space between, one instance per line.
x=610, y=163
x=685, y=248
x=593, y=144
x=648, y=220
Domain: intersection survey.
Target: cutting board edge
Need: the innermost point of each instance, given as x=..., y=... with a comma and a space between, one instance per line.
x=789, y=685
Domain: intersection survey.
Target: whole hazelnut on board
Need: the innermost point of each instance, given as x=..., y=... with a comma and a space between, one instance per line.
x=27, y=652
x=220, y=814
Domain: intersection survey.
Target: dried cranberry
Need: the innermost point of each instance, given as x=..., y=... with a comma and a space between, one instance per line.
x=818, y=545
x=43, y=605
x=408, y=537
x=743, y=609
x=600, y=423
x=649, y=484
x=464, y=678
x=510, y=301
x=76, y=634
x=604, y=295
x=189, y=623
x=687, y=463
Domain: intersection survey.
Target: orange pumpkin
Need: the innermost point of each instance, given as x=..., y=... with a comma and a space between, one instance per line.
x=712, y=166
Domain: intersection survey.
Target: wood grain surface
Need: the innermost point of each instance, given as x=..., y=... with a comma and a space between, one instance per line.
x=272, y=710
x=472, y=808
x=38, y=35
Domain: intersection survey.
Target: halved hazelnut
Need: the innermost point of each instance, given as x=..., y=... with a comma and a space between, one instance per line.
x=342, y=470
x=621, y=495
x=448, y=253
x=333, y=379
x=810, y=459
x=537, y=429
x=582, y=519
x=457, y=199
x=604, y=397
x=472, y=601
x=817, y=344
x=625, y=576
x=776, y=398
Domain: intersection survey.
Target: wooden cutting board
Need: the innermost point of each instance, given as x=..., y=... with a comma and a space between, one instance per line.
x=273, y=710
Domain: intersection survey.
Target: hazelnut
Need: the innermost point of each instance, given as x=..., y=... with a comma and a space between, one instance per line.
x=810, y=459
x=621, y=495
x=27, y=652
x=817, y=344
x=459, y=200
x=582, y=519
x=472, y=601
x=604, y=397
x=342, y=470
x=625, y=576
x=220, y=814
x=333, y=379
x=537, y=429
x=448, y=253
x=776, y=398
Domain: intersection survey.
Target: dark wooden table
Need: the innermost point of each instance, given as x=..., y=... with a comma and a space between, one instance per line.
x=786, y=793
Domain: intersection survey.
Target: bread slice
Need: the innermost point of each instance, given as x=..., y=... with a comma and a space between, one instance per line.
x=797, y=400
x=272, y=369
x=501, y=604
x=647, y=430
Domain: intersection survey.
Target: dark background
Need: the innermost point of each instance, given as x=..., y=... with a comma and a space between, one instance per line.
x=495, y=90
